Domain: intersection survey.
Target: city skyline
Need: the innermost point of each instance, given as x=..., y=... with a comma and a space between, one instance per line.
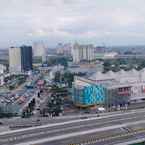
x=53, y=21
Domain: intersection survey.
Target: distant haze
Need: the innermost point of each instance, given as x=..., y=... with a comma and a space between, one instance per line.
x=113, y=22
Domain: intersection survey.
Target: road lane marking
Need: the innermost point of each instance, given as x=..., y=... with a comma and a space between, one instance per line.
x=88, y=142
x=74, y=134
x=69, y=122
x=68, y=128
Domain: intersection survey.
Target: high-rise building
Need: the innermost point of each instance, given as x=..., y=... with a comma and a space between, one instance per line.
x=15, y=60
x=39, y=50
x=20, y=59
x=76, y=53
x=64, y=49
x=26, y=58
x=2, y=68
x=83, y=52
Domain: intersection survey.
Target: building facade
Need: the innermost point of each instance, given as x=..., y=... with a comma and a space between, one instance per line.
x=110, y=89
x=20, y=59
x=15, y=60
x=2, y=68
x=64, y=49
x=83, y=52
x=39, y=50
x=26, y=58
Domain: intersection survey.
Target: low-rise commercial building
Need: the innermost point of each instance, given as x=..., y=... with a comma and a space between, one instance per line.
x=110, y=89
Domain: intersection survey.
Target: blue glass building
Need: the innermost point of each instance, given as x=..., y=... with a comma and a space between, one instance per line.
x=26, y=58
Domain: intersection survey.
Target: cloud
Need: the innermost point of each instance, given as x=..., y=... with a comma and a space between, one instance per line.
x=67, y=20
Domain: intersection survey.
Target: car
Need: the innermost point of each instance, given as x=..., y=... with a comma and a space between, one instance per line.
x=84, y=117
x=38, y=120
x=87, y=112
x=37, y=108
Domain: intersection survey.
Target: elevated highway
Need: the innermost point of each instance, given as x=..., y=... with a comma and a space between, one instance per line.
x=116, y=128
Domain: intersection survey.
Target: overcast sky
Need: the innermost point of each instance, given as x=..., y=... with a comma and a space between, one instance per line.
x=113, y=22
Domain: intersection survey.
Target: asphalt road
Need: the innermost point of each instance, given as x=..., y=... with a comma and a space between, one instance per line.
x=120, y=133
x=78, y=131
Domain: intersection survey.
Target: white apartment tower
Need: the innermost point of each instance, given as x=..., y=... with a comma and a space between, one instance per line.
x=15, y=60
x=39, y=50
x=83, y=52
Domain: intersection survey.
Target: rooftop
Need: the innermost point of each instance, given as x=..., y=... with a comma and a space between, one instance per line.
x=114, y=79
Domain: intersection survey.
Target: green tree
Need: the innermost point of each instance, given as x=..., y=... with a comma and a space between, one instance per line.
x=57, y=77
x=68, y=78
